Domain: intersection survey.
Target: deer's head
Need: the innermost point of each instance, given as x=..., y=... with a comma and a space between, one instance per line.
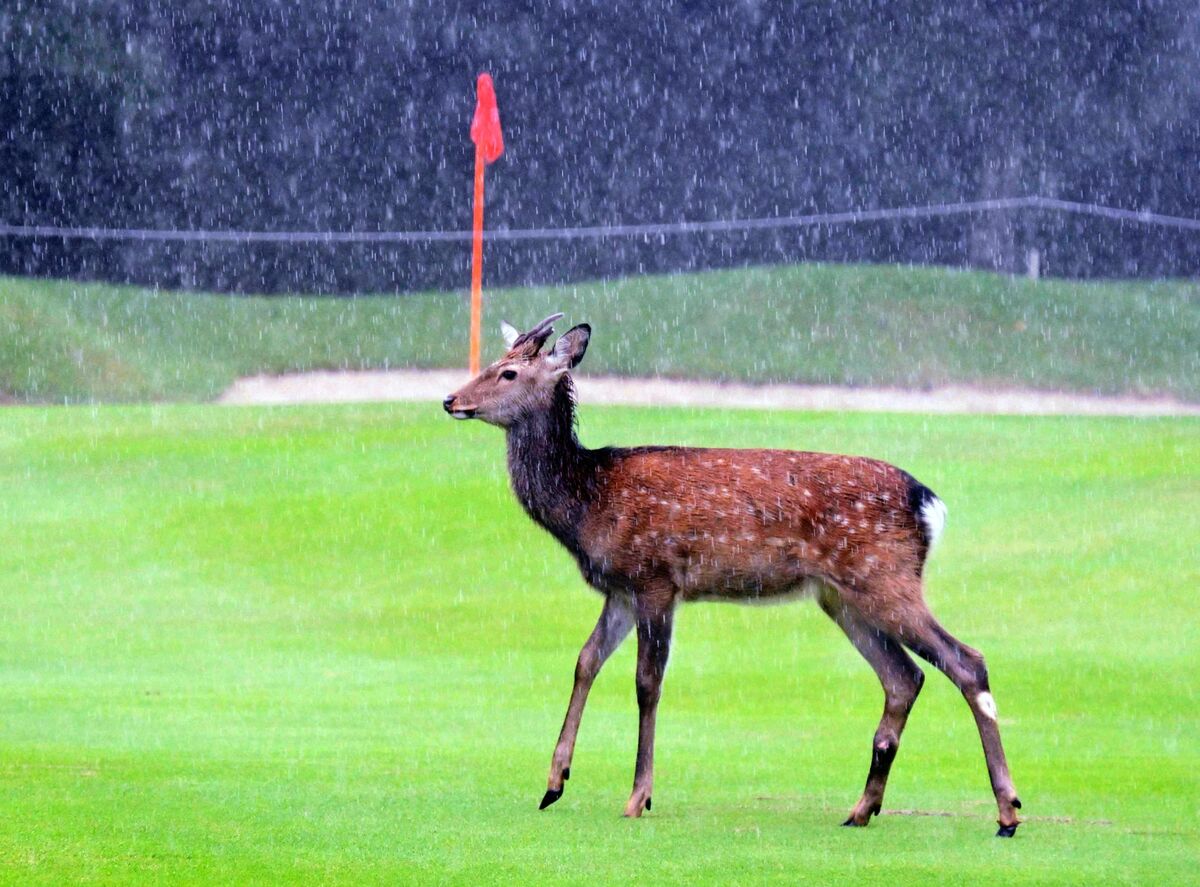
x=523, y=381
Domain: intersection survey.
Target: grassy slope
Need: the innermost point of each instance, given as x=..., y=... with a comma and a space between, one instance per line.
x=322, y=644
x=856, y=325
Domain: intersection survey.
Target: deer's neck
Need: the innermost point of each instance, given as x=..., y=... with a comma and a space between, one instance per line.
x=552, y=475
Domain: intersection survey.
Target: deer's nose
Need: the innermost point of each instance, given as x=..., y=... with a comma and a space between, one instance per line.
x=448, y=403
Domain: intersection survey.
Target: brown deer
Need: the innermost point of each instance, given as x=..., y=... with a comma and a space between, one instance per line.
x=652, y=527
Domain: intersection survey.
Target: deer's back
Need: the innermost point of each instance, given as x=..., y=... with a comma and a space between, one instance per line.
x=748, y=524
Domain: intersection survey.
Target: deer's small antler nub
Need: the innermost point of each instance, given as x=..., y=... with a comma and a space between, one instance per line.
x=539, y=333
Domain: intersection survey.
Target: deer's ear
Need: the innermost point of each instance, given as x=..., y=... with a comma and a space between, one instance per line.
x=570, y=348
x=509, y=332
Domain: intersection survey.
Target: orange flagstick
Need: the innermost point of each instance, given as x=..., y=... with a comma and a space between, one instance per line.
x=489, y=145
x=477, y=265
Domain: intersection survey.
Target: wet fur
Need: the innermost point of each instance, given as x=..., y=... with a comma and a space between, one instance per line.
x=720, y=524
x=651, y=527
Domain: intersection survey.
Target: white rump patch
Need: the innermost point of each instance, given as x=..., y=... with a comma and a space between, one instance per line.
x=987, y=704
x=933, y=515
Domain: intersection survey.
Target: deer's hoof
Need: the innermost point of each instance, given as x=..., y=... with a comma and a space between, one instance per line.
x=1007, y=831
x=852, y=823
x=636, y=807
x=550, y=797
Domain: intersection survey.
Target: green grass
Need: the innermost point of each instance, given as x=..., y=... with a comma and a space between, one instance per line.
x=841, y=324
x=304, y=645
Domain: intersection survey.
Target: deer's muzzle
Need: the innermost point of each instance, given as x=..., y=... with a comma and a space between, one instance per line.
x=457, y=411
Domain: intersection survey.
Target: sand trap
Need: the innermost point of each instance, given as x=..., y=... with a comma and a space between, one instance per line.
x=433, y=385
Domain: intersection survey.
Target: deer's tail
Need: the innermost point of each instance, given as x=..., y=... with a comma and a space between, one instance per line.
x=928, y=509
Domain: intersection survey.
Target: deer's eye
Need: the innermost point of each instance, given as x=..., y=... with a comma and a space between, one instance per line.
x=508, y=375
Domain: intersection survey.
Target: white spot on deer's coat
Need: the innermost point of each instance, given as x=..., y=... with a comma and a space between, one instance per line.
x=987, y=704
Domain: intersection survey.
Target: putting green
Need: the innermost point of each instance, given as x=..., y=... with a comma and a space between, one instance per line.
x=325, y=645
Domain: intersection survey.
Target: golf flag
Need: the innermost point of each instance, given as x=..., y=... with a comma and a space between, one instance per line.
x=485, y=127
x=489, y=145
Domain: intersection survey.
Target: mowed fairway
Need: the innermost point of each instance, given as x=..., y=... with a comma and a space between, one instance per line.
x=325, y=645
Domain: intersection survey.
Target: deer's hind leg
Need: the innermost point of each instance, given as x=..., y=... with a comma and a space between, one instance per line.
x=900, y=611
x=901, y=679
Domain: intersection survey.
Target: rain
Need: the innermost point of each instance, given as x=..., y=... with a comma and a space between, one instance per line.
x=351, y=117
x=399, y=401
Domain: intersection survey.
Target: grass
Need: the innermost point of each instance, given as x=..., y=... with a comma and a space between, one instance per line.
x=841, y=324
x=302, y=645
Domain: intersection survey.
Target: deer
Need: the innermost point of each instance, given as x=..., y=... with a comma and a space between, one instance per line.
x=654, y=527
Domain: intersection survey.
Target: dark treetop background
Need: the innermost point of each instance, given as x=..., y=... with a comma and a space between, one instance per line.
x=353, y=116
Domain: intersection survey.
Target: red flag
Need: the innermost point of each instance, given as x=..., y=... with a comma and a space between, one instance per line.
x=485, y=127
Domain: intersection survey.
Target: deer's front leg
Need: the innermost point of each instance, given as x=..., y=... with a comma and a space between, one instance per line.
x=615, y=621
x=655, y=615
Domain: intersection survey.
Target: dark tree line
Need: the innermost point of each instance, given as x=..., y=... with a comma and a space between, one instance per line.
x=353, y=115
